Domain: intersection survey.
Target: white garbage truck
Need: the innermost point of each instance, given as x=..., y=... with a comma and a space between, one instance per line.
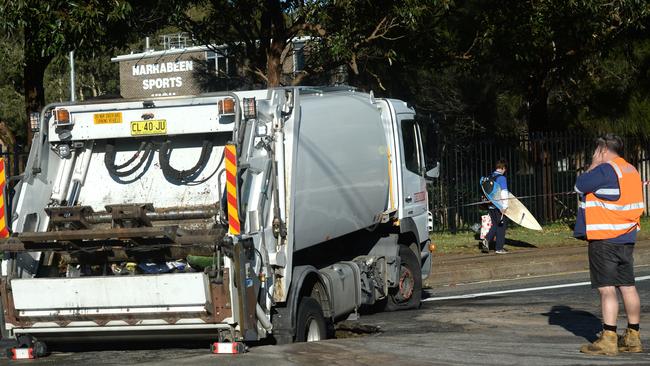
x=237, y=216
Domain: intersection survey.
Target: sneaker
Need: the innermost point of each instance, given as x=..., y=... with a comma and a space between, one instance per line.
x=606, y=344
x=630, y=341
x=484, y=246
x=502, y=251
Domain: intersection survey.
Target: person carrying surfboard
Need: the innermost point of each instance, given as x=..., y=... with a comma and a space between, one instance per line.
x=611, y=205
x=497, y=215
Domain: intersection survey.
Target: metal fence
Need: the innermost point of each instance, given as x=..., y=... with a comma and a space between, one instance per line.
x=15, y=161
x=542, y=169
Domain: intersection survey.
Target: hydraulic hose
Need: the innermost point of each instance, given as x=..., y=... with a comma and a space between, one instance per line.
x=109, y=159
x=183, y=175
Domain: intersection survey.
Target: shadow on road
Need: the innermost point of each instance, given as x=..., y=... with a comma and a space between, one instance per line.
x=579, y=322
x=509, y=242
x=519, y=243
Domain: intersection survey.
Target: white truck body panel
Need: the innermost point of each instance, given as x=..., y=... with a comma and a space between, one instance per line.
x=110, y=295
x=197, y=115
x=341, y=178
x=150, y=185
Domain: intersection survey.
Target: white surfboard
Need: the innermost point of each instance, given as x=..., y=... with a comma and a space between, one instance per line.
x=516, y=211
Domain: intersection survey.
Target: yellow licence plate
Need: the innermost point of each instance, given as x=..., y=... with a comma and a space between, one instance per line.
x=149, y=127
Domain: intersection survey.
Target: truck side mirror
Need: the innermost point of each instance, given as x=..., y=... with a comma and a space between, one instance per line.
x=429, y=131
x=433, y=172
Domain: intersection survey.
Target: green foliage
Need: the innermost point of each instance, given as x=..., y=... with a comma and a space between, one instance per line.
x=616, y=95
x=515, y=66
x=496, y=67
x=95, y=76
x=11, y=82
x=345, y=33
x=93, y=28
x=58, y=26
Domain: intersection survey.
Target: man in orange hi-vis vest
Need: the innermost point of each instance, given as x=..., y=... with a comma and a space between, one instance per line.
x=611, y=205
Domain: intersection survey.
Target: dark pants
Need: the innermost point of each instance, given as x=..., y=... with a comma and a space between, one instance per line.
x=498, y=228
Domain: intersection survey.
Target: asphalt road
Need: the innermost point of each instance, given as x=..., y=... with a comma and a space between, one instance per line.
x=543, y=326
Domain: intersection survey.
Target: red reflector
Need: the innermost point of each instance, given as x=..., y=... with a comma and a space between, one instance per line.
x=228, y=347
x=21, y=353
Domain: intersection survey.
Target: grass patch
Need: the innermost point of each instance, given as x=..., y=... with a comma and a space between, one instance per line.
x=518, y=238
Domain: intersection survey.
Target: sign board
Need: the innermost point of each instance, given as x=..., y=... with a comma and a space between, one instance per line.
x=161, y=75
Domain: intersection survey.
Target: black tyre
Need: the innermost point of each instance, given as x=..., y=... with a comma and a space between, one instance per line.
x=310, y=322
x=40, y=349
x=408, y=292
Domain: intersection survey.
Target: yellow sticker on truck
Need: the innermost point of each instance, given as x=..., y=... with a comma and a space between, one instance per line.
x=149, y=127
x=107, y=118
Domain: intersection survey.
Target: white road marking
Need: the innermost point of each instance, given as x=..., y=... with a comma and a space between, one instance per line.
x=529, y=289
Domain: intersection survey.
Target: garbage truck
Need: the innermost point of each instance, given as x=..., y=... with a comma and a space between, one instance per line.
x=240, y=216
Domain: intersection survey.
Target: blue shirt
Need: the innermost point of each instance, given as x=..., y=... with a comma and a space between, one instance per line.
x=598, y=181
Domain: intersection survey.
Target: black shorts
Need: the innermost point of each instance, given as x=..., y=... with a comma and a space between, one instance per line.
x=611, y=264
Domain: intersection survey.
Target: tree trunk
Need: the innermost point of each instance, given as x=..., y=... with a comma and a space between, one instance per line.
x=274, y=64
x=538, y=105
x=34, y=92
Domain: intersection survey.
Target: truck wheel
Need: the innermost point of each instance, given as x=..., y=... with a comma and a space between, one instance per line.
x=310, y=322
x=408, y=293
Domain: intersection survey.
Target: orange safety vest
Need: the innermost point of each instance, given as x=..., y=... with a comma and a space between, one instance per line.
x=610, y=219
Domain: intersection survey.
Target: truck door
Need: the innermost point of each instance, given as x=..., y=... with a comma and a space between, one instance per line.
x=414, y=191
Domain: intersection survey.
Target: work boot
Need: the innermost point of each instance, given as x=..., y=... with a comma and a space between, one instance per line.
x=607, y=344
x=630, y=341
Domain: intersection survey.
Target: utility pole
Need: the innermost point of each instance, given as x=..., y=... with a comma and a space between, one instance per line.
x=72, y=98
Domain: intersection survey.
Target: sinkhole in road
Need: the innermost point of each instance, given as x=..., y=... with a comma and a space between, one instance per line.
x=354, y=329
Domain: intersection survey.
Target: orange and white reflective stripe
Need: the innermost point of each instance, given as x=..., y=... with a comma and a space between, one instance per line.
x=234, y=227
x=611, y=206
x=4, y=230
x=611, y=227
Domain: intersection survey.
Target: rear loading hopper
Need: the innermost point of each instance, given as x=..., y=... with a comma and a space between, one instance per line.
x=118, y=223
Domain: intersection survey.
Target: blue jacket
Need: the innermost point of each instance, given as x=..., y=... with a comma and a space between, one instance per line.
x=500, y=179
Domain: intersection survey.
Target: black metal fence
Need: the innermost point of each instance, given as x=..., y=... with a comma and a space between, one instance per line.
x=542, y=172
x=15, y=161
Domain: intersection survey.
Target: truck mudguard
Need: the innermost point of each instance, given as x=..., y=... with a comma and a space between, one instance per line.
x=407, y=225
x=300, y=275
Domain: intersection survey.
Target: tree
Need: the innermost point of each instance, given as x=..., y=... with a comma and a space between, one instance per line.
x=336, y=33
x=615, y=97
x=11, y=84
x=53, y=28
x=95, y=76
x=542, y=47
